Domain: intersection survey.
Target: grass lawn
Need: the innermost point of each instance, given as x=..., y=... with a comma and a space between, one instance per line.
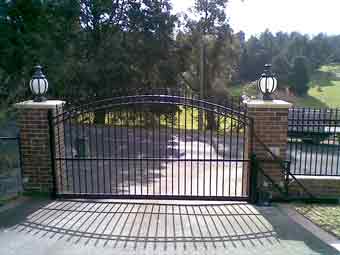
x=325, y=85
x=185, y=118
x=325, y=216
x=328, y=95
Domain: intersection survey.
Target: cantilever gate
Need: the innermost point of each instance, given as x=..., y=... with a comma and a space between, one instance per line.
x=152, y=146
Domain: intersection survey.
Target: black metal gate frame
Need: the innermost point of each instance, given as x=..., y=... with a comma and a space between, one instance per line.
x=237, y=114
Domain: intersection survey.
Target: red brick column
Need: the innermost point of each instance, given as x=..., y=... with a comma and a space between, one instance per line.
x=33, y=123
x=271, y=127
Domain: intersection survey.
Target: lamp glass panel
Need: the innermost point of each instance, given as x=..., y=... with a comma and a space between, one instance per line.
x=39, y=86
x=263, y=85
x=274, y=84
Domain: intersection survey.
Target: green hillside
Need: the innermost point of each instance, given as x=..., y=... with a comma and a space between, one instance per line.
x=324, y=89
x=325, y=85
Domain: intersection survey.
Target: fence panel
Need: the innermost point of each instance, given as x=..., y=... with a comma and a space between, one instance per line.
x=314, y=141
x=10, y=170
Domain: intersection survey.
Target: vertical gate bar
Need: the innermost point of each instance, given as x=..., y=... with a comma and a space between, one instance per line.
x=192, y=141
x=326, y=122
x=318, y=147
x=97, y=156
x=147, y=153
x=217, y=151
x=166, y=152
x=159, y=154
x=110, y=149
x=295, y=128
x=204, y=144
x=244, y=169
x=78, y=156
x=321, y=145
x=83, y=137
x=210, y=154
x=52, y=152
x=296, y=140
x=115, y=117
x=313, y=146
x=58, y=155
x=72, y=155
x=237, y=153
x=172, y=150
x=301, y=143
x=103, y=151
x=230, y=151
x=141, y=147
x=308, y=125
x=121, y=145
x=91, y=150
x=134, y=148
x=128, y=147
x=153, y=151
x=289, y=140
x=65, y=148
x=179, y=151
x=333, y=115
x=198, y=163
x=337, y=142
x=185, y=146
x=224, y=148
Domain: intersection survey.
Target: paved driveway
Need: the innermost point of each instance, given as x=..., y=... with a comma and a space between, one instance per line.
x=79, y=227
x=138, y=161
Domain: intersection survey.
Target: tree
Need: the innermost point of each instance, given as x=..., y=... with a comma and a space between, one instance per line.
x=213, y=51
x=282, y=68
x=300, y=75
x=34, y=32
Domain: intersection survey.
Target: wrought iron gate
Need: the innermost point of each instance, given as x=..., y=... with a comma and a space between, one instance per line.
x=152, y=146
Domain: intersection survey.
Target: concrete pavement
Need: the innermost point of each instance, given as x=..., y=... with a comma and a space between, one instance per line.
x=152, y=227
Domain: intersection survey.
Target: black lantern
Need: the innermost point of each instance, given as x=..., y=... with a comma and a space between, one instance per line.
x=39, y=85
x=267, y=84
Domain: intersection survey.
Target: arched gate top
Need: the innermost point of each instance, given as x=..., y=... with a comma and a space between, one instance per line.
x=237, y=113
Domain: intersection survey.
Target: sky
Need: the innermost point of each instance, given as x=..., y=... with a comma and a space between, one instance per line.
x=254, y=16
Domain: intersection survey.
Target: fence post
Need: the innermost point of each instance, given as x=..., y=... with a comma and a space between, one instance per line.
x=253, y=194
x=35, y=137
x=270, y=126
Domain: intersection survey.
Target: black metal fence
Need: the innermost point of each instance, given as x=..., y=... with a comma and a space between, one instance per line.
x=10, y=164
x=314, y=141
x=150, y=146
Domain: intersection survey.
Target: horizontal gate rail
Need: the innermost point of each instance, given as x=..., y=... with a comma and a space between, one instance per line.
x=154, y=159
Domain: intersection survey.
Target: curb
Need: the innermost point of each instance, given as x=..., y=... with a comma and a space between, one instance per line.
x=311, y=227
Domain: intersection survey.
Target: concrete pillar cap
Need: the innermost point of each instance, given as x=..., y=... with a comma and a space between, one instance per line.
x=49, y=104
x=273, y=104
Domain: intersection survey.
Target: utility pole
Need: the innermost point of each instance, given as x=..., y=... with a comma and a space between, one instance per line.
x=202, y=83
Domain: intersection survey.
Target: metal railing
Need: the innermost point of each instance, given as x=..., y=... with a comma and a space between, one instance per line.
x=314, y=142
x=10, y=167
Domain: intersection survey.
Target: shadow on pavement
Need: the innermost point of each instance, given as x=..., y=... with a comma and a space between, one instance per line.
x=161, y=226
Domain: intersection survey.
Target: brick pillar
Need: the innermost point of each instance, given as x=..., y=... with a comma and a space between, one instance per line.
x=271, y=127
x=37, y=164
